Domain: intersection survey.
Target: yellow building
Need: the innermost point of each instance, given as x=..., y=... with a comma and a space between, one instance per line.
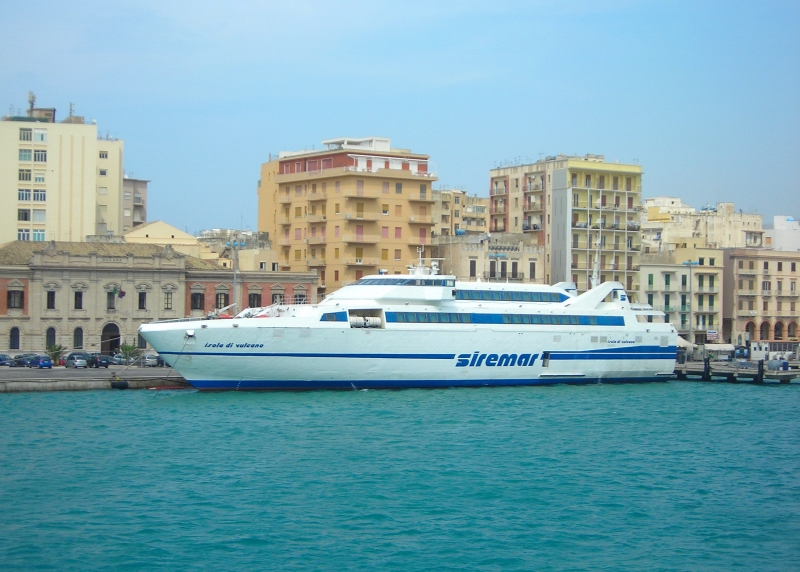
x=455, y=210
x=568, y=204
x=59, y=181
x=348, y=210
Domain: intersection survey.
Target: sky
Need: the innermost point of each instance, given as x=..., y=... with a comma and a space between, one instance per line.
x=704, y=95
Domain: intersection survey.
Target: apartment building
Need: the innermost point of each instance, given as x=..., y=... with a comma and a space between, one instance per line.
x=761, y=296
x=454, y=210
x=60, y=181
x=687, y=285
x=784, y=234
x=668, y=223
x=348, y=210
x=569, y=204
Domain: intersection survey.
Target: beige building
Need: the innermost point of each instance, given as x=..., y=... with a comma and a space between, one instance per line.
x=134, y=203
x=162, y=233
x=687, y=285
x=567, y=204
x=348, y=210
x=94, y=296
x=495, y=257
x=761, y=296
x=454, y=210
x=668, y=223
x=59, y=181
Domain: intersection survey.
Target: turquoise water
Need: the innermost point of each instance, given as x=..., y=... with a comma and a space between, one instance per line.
x=670, y=476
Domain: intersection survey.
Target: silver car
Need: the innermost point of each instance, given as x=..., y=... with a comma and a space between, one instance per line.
x=79, y=361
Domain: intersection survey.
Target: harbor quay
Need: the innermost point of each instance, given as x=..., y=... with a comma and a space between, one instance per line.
x=23, y=379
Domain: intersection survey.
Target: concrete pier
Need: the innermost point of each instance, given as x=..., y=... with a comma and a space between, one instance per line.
x=736, y=372
x=15, y=380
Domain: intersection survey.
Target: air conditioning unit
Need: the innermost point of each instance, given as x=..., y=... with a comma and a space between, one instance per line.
x=411, y=218
x=346, y=216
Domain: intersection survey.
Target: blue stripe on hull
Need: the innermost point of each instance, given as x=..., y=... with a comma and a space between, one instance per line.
x=275, y=385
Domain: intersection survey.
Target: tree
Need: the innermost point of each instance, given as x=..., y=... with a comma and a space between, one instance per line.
x=129, y=352
x=55, y=353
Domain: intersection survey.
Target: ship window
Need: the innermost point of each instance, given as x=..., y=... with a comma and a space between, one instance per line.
x=526, y=319
x=412, y=316
x=444, y=318
x=466, y=318
x=486, y=295
x=422, y=317
x=565, y=320
x=516, y=296
x=526, y=296
x=506, y=319
x=535, y=297
x=536, y=319
x=592, y=320
x=573, y=320
x=516, y=319
x=497, y=296
x=433, y=317
x=475, y=294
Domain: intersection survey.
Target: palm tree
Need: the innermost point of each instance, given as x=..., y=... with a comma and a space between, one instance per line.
x=129, y=352
x=55, y=352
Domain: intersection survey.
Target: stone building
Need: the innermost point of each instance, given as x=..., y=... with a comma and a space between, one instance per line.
x=502, y=257
x=94, y=296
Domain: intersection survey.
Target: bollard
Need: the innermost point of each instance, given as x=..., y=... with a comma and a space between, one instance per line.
x=760, y=374
x=706, y=369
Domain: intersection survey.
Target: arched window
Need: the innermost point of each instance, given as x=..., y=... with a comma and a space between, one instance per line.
x=13, y=339
x=779, y=331
x=77, y=339
x=50, y=338
x=792, y=330
x=764, y=331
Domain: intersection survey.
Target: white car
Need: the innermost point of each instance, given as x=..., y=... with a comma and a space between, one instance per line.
x=149, y=360
x=79, y=361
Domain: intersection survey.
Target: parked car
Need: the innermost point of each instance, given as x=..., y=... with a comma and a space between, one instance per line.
x=99, y=360
x=5, y=359
x=77, y=359
x=119, y=359
x=41, y=362
x=21, y=360
x=150, y=360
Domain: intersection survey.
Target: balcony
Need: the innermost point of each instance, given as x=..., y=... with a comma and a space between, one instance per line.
x=361, y=262
x=746, y=272
x=706, y=290
x=707, y=310
x=356, y=194
x=634, y=247
x=420, y=219
x=419, y=241
x=766, y=292
x=747, y=293
x=420, y=197
x=361, y=238
x=498, y=192
x=526, y=227
x=318, y=240
x=314, y=262
x=312, y=218
x=284, y=241
x=285, y=199
x=503, y=277
x=318, y=196
x=361, y=217
x=532, y=207
x=785, y=293
x=498, y=209
x=284, y=220
x=747, y=313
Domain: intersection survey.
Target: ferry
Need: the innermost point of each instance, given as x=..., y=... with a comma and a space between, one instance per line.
x=425, y=330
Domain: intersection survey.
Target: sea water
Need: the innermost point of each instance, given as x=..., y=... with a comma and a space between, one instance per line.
x=662, y=476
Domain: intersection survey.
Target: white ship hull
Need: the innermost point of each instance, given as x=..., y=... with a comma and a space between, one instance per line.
x=300, y=350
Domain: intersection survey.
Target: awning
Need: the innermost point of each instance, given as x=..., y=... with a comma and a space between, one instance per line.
x=720, y=348
x=684, y=344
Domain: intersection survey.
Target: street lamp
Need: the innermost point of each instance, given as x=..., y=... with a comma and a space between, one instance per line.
x=690, y=264
x=235, y=245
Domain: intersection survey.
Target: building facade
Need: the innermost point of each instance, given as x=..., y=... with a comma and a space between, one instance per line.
x=569, y=204
x=60, y=181
x=784, y=234
x=456, y=212
x=687, y=285
x=668, y=223
x=497, y=257
x=346, y=211
x=94, y=296
x=761, y=296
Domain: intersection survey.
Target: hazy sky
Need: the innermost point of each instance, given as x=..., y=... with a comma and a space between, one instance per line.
x=704, y=95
